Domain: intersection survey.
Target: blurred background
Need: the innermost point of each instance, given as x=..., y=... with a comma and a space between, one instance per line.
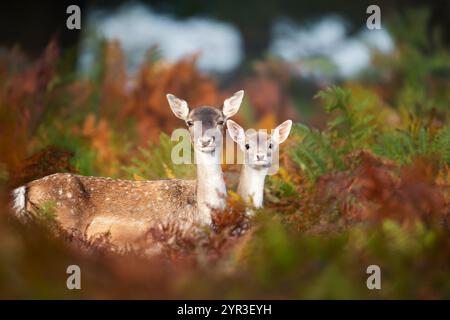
x=236, y=32
x=364, y=176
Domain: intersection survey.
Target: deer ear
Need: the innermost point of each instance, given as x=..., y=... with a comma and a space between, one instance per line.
x=232, y=104
x=236, y=132
x=282, y=131
x=179, y=106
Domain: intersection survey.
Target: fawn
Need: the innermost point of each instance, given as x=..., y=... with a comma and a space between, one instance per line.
x=259, y=148
x=127, y=208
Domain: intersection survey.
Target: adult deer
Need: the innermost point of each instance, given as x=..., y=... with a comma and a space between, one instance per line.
x=127, y=208
x=259, y=149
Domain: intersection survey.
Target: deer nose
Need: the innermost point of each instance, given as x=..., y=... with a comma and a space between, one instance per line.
x=260, y=157
x=206, y=141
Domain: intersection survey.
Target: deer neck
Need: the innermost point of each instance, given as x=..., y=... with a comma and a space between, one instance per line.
x=251, y=185
x=211, y=191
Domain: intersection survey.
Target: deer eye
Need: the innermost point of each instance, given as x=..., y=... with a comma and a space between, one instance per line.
x=220, y=123
x=270, y=146
x=247, y=146
x=190, y=123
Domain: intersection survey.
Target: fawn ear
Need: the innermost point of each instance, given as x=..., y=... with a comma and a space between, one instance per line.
x=179, y=107
x=236, y=132
x=232, y=104
x=282, y=131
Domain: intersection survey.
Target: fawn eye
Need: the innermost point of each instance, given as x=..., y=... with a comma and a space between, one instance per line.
x=190, y=123
x=220, y=123
x=270, y=146
x=247, y=146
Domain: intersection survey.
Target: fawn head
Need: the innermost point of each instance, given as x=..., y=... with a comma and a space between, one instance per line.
x=206, y=124
x=259, y=147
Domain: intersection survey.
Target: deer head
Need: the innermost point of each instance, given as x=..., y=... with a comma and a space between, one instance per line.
x=259, y=146
x=206, y=124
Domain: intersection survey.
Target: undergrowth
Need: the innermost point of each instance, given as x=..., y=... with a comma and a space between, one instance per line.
x=367, y=184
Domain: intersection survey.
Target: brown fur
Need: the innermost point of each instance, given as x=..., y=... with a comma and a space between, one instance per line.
x=125, y=208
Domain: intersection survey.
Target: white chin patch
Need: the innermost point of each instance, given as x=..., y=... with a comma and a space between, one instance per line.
x=260, y=164
x=207, y=149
